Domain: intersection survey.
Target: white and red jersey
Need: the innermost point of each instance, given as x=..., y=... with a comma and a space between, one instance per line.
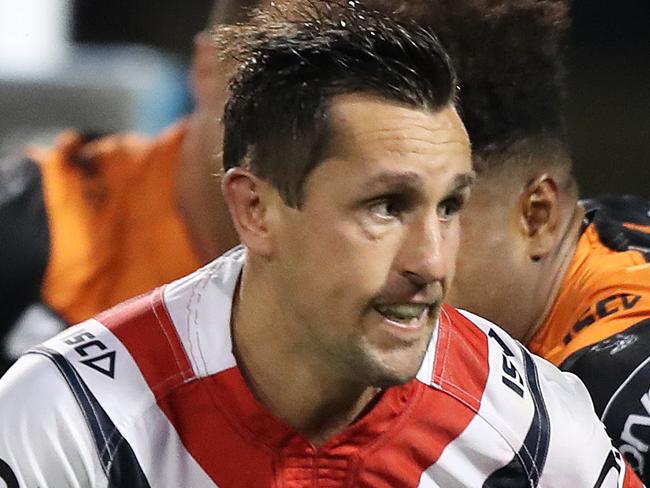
x=149, y=394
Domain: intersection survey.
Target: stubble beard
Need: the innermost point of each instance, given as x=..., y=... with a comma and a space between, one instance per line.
x=372, y=368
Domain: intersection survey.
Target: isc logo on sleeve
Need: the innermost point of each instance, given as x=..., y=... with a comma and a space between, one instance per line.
x=95, y=353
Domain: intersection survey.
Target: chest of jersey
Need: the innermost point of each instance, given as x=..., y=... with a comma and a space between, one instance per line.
x=217, y=436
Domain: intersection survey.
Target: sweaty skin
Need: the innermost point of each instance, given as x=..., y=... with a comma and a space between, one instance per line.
x=377, y=235
x=517, y=243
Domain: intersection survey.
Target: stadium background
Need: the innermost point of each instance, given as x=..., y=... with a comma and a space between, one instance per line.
x=98, y=82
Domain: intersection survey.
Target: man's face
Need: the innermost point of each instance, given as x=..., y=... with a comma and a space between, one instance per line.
x=492, y=258
x=365, y=263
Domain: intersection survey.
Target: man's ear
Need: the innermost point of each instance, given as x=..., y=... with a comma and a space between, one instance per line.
x=540, y=215
x=244, y=194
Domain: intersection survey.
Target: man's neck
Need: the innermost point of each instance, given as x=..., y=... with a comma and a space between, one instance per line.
x=553, y=273
x=292, y=383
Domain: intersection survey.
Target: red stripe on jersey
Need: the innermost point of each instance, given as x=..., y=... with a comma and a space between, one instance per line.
x=462, y=365
x=215, y=437
x=631, y=479
x=211, y=435
x=425, y=431
x=225, y=429
x=461, y=369
x=143, y=325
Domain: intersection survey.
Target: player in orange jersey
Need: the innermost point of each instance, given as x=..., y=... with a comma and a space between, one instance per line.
x=90, y=222
x=570, y=278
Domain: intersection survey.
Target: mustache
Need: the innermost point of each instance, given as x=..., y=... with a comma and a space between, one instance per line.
x=399, y=289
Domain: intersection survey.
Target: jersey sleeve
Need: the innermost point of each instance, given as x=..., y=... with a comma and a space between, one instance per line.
x=548, y=419
x=617, y=373
x=44, y=439
x=580, y=451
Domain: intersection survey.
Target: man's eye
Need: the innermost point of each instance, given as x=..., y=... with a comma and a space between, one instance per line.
x=449, y=207
x=387, y=208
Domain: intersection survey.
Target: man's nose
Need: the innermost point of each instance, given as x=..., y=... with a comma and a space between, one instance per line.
x=421, y=257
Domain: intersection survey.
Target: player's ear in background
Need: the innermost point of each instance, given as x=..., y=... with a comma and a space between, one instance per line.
x=539, y=206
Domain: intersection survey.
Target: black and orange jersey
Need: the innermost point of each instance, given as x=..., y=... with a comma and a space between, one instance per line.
x=92, y=223
x=599, y=326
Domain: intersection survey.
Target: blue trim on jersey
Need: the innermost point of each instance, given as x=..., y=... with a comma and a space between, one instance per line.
x=613, y=461
x=512, y=475
x=115, y=454
x=528, y=464
x=535, y=449
x=8, y=476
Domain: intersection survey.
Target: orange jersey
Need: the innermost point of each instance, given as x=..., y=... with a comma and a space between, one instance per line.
x=605, y=291
x=114, y=228
x=599, y=326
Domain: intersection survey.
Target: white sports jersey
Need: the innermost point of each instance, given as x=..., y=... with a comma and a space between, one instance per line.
x=149, y=394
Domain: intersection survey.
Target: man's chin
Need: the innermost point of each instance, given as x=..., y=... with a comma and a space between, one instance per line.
x=391, y=380
x=396, y=368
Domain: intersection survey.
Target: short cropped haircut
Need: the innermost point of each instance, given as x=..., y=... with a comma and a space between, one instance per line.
x=293, y=61
x=508, y=55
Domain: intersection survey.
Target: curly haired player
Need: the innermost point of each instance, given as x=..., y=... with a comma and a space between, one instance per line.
x=570, y=278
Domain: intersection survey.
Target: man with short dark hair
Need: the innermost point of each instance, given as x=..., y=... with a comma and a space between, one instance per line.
x=319, y=353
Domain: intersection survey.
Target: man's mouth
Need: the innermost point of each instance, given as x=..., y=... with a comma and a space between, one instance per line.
x=408, y=315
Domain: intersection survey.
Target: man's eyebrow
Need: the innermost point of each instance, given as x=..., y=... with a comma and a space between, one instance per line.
x=393, y=180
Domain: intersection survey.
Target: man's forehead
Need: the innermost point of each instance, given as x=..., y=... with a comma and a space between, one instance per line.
x=396, y=180
x=392, y=126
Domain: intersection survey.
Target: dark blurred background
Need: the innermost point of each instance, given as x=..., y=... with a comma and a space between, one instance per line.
x=608, y=108
x=166, y=24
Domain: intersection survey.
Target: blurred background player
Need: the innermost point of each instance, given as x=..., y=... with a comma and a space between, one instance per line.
x=93, y=221
x=569, y=278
